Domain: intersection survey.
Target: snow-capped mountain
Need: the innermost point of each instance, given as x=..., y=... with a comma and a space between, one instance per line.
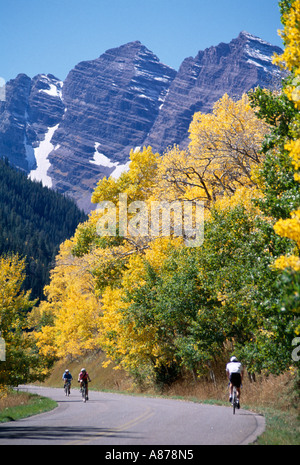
x=234, y=68
x=259, y=53
x=70, y=134
x=31, y=109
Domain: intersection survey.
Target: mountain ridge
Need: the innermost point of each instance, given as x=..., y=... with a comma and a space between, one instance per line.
x=71, y=133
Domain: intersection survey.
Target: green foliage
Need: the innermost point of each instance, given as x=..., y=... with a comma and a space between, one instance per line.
x=34, y=220
x=281, y=191
x=277, y=110
x=237, y=256
x=25, y=405
x=87, y=239
x=202, y=299
x=275, y=175
x=170, y=301
x=285, y=6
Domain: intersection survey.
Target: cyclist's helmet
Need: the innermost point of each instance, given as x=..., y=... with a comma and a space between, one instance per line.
x=233, y=359
x=83, y=369
x=66, y=371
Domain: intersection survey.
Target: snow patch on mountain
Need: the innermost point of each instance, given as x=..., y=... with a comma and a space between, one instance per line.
x=259, y=52
x=100, y=159
x=41, y=154
x=54, y=86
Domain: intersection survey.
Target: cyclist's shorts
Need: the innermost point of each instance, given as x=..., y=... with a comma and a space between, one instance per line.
x=235, y=379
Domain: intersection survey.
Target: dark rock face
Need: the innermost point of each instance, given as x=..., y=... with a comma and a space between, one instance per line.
x=13, y=121
x=233, y=68
x=30, y=108
x=70, y=134
x=45, y=105
x=112, y=103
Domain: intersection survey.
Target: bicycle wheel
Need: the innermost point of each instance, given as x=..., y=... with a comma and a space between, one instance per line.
x=84, y=396
x=234, y=400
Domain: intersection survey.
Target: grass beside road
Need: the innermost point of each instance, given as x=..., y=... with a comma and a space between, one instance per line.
x=17, y=405
x=282, y=428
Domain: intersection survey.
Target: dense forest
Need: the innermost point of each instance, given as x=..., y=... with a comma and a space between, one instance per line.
x=34, y=220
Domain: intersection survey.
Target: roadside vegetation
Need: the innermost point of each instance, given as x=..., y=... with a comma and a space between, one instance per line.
x=17, y=405
x=167, y=316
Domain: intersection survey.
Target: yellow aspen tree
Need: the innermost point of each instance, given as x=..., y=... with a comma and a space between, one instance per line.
x=224, y=148
x=73, y=306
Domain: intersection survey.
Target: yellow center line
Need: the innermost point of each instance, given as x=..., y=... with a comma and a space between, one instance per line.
x=145, y=416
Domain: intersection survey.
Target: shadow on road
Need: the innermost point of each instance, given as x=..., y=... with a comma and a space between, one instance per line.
x=49, y=433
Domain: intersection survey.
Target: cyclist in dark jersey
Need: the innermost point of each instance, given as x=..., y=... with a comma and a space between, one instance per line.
x=83, y=377
x=67, y=377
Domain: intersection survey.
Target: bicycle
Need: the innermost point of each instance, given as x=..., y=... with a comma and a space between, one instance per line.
x=235, y=401
x=83, y=391
x=67, y=387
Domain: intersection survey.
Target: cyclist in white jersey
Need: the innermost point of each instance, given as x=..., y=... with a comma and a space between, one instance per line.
x=235, y=373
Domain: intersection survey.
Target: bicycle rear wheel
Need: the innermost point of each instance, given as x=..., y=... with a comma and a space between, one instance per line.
x=83, y=391
x=234, y=400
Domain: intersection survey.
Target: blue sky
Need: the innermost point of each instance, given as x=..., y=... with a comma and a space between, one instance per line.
x=41, y=36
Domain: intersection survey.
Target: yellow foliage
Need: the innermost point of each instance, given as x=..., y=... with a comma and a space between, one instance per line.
x=122, y=342
x=292, y=262
x=45, y=341
x=158, y=251
x=243, y=195
x=224, y=148
x=136, y=183
x=290, y=59
x=72, y=303
x=126, y=343
x=290, y=228
x=294, y=151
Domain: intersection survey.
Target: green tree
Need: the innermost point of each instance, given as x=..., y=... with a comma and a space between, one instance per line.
x=275, y=175
x=176, y=309
x=236, y=259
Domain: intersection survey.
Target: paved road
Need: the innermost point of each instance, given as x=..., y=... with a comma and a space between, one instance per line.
x=115, y=419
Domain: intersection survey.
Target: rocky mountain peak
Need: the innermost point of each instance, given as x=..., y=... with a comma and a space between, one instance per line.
x=70, y=134
x=233, y=68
